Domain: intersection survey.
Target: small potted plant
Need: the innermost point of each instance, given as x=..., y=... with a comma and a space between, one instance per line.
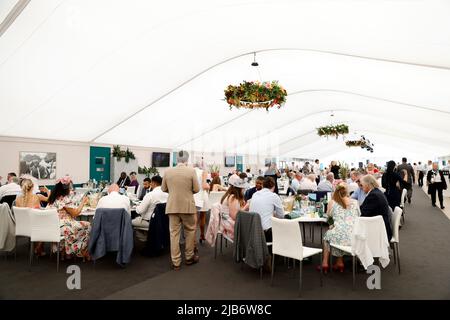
x=214, y=169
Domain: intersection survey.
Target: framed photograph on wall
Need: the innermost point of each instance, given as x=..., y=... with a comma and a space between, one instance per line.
x=41, y=165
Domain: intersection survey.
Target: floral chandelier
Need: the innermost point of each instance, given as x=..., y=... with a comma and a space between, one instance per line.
x=363, y=143
x=254, y=94
x=333, y=130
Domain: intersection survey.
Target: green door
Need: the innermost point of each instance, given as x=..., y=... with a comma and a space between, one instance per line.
x=239, y=163
x=100, y=164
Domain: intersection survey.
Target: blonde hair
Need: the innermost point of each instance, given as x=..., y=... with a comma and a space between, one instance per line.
x=340, y=193
x=27, y=188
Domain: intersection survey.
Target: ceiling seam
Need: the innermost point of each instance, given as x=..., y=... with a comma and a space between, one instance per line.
x=31, y=34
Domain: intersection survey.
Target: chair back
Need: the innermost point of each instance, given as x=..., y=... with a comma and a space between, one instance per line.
x=396, y=216
x=402, y=199
x=8, y=199
x=376, y=235
x=45, y=225
x=287, y=238
x=23, y=223
x=215, y=197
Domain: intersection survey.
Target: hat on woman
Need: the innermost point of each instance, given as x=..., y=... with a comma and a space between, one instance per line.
x=237, y=182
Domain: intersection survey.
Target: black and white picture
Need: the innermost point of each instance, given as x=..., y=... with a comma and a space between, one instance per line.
x=41, y=165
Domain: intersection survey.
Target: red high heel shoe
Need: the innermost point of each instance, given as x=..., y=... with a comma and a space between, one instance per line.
x=339, y=268
x=324, y=268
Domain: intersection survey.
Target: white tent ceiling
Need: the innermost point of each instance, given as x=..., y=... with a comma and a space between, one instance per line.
x=152, y=73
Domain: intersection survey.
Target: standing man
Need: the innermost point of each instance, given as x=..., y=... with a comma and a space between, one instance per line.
x=316, y=170
x=273, y=172
x=181, y=183
x=422, y=171
x=436, y=182
x=411, y=177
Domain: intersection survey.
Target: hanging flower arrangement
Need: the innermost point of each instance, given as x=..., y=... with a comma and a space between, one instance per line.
x=363, y=143
x=254, y=94
x=355, y=143
x=333, y=130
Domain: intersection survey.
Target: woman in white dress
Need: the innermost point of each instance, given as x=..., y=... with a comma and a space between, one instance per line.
x=201, y=200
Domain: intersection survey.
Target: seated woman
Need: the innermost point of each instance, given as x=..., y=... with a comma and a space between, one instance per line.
x=75, y=233
x=232, y=201
x=216, y=185
x=344, y=212
x=29, y=200
x=134, y=182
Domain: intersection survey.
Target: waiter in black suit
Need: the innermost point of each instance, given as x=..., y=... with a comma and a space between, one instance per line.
x=436, y=182
x=375, y=203
x=273, y=172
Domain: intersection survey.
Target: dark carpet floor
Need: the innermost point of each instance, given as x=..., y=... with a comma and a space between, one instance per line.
x=424, y=250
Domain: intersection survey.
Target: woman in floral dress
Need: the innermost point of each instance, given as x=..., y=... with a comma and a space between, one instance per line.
x=344, y=212
x=232, y=202
x=75, y=233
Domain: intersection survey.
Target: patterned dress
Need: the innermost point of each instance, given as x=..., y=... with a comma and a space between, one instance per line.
x=75, y=233
x=341, y=233
x=227, y=221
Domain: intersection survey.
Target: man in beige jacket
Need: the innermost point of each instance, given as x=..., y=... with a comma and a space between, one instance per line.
x=181, y=183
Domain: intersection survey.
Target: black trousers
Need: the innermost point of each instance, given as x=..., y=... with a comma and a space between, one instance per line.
x=420, y=181
x=432, y=190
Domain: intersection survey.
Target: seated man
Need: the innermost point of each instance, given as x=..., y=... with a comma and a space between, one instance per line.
x=359, y=193
x=12, y=188
x=375, y=203
x=258, y=186
x=151, y=199
x=147, y=187
x=352, y=182
x=327, y=184
x=296, y=181
x=114, y=200
x=266, y=203
x=308, y=183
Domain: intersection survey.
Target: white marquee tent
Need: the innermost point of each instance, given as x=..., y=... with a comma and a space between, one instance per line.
x=152, y=73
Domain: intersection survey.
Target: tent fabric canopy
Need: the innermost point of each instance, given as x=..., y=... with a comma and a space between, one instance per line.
x=152, y=74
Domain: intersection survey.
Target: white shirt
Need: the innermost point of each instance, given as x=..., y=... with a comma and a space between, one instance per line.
x=316, y=169
x=325, y=185
x=148, y=204
x=295, y=184
x=352, y=187
x=266, y=203
x=114, y=200
x=436, y=176
x=307, y=184
x=10, y=189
